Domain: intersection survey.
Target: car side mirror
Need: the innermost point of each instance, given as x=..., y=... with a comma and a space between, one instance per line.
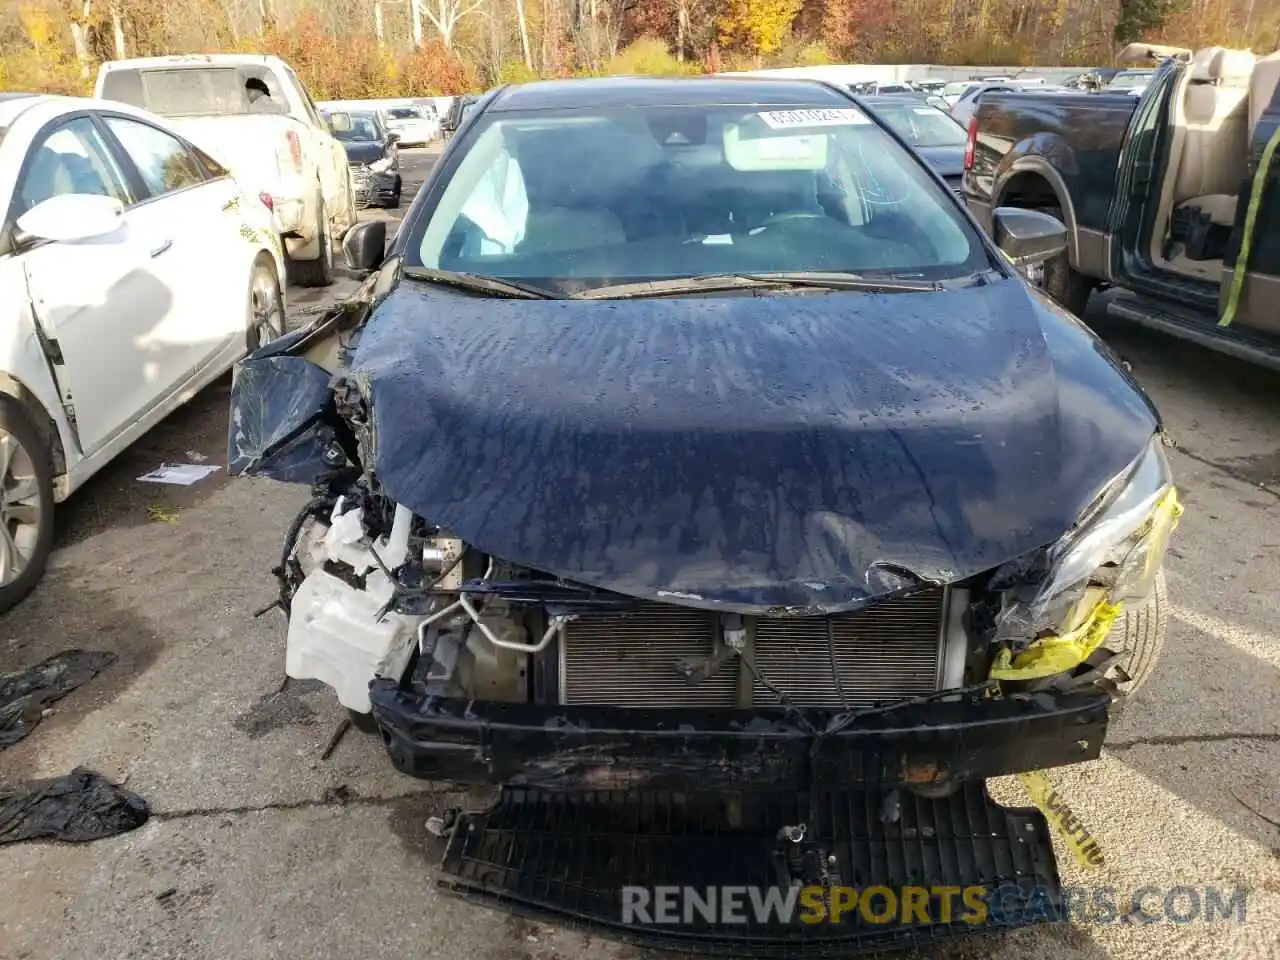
x=393, y=137
x=72, y=216
x=1028, y=236
x=365, y=246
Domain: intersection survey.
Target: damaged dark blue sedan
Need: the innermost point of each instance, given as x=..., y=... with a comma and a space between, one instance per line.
x=695, y=471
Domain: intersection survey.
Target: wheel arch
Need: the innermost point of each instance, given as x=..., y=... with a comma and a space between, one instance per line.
x=15, y=388
x=1031, y=183
x=269, y=257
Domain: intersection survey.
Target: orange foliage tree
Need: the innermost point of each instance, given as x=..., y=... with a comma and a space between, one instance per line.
x=758, y=27
x=342, y=49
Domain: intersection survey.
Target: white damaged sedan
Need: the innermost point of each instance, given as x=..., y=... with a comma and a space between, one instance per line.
x=133, y=271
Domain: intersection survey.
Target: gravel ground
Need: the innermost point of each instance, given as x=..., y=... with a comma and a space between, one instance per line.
x=259, y=849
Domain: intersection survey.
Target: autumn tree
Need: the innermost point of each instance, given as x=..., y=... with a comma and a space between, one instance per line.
x=384, y=47
x=1138, y=17
x=757, y=26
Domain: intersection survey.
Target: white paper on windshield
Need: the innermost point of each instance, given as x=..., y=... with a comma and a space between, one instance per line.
x=837, y=117
x=774, y=152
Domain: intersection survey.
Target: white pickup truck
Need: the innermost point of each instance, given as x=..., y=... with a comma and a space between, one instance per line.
x=253, y=114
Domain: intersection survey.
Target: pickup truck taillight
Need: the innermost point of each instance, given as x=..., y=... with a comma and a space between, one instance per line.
x=267, y=201
x=972, y=142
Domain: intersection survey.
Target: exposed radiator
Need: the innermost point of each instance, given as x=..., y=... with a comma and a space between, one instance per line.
x=889, y=651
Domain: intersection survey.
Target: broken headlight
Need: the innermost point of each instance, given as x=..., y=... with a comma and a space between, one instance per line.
x=1111, y=556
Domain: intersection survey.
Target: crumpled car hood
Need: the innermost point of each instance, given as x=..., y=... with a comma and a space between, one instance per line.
x=779, y=454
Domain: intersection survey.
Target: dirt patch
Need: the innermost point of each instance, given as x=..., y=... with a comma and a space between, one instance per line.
x=1263, y=469
x=407, y=819
x=280, y=708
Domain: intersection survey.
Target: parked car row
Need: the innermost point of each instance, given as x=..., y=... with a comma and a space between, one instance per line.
x=255, y=116
x=417, y=122
x=373, y=155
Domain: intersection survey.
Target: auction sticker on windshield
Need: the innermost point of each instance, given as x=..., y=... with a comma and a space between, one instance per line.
x=838, y=117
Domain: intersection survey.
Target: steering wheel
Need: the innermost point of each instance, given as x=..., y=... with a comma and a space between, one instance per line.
x=792, y=215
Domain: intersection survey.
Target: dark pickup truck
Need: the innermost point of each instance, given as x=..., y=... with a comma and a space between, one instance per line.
x=1161, y=195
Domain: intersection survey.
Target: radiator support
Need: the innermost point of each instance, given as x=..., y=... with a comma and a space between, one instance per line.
x=906, y=646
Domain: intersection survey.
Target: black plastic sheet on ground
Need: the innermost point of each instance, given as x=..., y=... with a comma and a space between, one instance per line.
x=26, y=694
x=77, y=808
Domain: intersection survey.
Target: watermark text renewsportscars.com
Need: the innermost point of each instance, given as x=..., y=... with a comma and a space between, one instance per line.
x=765, y=906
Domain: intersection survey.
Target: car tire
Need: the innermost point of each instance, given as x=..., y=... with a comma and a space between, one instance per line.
x=317, y=272
x=265, y=319
x=395, y=197
x=1060, y=281
x=1140, y=634
x=25, y=468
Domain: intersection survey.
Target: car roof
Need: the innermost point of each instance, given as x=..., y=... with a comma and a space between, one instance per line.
x=657, y=91
x=12, y=104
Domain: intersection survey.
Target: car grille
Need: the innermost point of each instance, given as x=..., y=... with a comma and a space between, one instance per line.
x=891, y=650
x=361, y=181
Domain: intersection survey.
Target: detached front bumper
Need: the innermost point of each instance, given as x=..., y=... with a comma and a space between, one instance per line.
x=596, y=748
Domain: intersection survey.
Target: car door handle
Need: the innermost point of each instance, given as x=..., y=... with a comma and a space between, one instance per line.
x=156, y=251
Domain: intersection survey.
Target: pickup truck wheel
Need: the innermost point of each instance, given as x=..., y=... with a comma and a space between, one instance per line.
x=26, y=503
x=1069, y=288
x=1140, y=632
x=317, y=272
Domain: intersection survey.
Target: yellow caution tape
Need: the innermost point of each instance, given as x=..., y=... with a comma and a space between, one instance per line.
x=1260, y=178
x=1054, y=806
x=1059, y=653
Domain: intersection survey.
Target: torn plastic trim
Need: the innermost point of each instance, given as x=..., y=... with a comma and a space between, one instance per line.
x=283, y=423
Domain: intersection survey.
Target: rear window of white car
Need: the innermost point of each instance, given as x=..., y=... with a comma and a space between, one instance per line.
x=188, y=91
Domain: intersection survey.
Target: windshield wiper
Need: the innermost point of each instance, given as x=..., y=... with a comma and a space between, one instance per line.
x=479, y=283
x=742, y=281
